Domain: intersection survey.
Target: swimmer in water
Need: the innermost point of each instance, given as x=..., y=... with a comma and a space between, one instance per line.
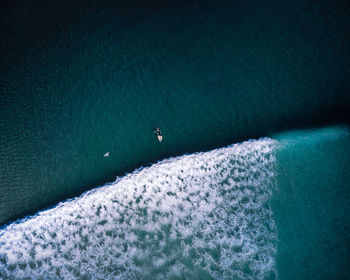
x=159, y=134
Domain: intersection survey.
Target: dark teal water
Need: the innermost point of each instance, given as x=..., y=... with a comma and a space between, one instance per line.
x=78, y=81
x=81, y=80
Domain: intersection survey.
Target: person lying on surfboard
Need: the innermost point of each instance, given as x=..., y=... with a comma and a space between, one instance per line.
x=159, y=134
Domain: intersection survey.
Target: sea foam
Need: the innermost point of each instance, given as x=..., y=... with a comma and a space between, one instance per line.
x=198, y=216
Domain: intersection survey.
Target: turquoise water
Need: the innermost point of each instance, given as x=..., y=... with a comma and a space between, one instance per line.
x=312, y=204
x=78, y=81
x=262, y=209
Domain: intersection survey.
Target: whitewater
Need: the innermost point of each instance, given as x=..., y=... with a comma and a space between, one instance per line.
x=199, y=216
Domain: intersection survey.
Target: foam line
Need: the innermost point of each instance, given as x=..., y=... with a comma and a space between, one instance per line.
x=194, y=216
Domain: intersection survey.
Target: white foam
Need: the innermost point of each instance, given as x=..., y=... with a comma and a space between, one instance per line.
x=205, y=214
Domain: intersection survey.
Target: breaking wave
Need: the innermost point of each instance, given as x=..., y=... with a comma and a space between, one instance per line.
x=198, y=216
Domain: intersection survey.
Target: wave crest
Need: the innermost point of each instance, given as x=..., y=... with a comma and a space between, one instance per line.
x=204, y=215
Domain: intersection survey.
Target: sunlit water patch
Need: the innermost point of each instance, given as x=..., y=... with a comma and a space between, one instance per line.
x=198, y=216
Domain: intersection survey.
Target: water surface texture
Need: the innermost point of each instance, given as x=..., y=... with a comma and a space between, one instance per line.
x=199, y=216
x=312, y=204
x=262, y=209
x=79, y=80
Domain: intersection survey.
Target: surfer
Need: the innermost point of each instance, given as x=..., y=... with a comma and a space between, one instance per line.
x=159, y=134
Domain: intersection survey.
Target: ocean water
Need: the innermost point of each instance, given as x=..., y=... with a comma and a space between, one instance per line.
x=78, y=81
x=311, y=205
x=261, y=209
x=198, y=216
